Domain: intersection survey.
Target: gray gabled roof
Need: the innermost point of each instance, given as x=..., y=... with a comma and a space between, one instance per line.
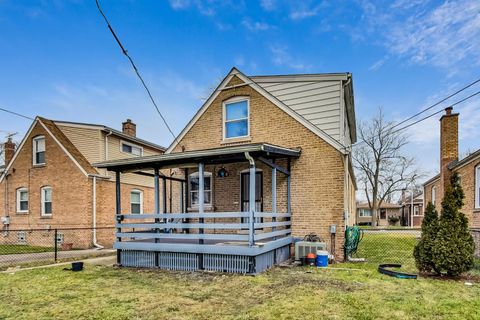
x=472, y=156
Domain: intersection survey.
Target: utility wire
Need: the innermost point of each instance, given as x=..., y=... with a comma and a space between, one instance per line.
x=125, y=53
x=437, y=103
x=17, y=114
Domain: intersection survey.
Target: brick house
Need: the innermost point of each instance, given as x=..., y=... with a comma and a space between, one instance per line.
x=364, y=214
x=411, y=218
x=49, y=182
x=467, y=168
x=284, y=141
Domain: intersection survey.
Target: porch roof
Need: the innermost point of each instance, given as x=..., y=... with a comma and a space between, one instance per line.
x=207, y=156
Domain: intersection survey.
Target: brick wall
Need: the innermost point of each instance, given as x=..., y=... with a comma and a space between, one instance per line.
x=317, y=176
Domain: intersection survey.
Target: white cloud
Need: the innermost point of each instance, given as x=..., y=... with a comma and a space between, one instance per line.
x=204, y=7
x=268, y=5
x=303, y=10
x=378, y=64
x=281, y=57
x=256, y=26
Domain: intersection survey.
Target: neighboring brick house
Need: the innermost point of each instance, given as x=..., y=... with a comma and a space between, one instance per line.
x=411, y=218
x=312, y=114
x=364, y=214
x=467, y=168
x=49, y=182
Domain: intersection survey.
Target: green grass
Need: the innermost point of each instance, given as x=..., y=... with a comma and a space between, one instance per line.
x=281, y=293
x=18, y=248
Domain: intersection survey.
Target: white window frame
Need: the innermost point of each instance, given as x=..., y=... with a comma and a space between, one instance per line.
x=477, y=187
x=42, y=201
x=190, y=191
x=35, y=151
x=122, y=142
x=19, y=190
x=140, y=192
x=433, y=194
x=416, y=211
x=362, y=213
x=224, y=117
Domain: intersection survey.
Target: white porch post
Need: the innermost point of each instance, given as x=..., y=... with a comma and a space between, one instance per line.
x=251, y=202
x=274, y=195
x=156, y=190
x=201, y=194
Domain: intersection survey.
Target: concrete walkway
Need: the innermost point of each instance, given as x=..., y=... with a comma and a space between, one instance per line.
x=16, y=259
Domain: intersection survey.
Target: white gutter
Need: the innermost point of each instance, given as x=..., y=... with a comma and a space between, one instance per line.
x=346, y=187
x=94, y=213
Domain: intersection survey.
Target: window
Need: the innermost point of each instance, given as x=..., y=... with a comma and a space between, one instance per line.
x=416, y=210
x=365, y=213
x=131, y=148
x=235, y=115
x=433, y=195
x=136, y=201
x=39, y=150
x=194, y=186
x=22, y=200
x=383, y=213
x=46, y=197
x=477, y=187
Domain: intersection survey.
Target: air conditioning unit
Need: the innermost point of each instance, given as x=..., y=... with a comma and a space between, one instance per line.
x=302, y=248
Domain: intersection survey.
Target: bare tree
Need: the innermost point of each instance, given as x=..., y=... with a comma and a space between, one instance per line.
x=381, y=168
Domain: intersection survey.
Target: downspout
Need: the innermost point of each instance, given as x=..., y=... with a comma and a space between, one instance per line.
x=94, y=213
x=346, y=187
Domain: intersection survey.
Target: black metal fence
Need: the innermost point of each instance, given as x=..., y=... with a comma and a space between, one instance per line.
x=27, y=246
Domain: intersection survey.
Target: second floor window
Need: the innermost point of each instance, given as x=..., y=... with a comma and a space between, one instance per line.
x=132, y=149
x=22, y=200
x=236, y=119
x=38, y=150
x=46, y=197
x=136, y=202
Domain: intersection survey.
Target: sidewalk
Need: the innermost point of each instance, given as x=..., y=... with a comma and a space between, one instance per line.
x=14, y=259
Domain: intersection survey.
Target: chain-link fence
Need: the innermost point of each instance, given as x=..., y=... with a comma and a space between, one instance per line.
x=50, y=245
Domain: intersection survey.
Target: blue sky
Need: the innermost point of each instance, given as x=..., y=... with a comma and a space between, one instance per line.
x=60, y=61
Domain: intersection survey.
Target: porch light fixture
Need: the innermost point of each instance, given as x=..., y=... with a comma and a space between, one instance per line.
x=222, y=173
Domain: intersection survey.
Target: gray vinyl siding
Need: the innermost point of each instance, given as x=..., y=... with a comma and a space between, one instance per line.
x=317, y=101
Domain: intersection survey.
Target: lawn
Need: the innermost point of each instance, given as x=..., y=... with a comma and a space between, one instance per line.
x=18, y=248
x=281, y=293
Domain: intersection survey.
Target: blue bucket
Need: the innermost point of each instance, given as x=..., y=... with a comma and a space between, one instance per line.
x=322, y=259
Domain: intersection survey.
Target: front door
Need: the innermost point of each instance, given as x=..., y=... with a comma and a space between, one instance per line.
x=245, y=192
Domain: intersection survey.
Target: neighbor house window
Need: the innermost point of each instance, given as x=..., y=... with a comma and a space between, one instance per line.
x=235, y=116
x=46, y=201
x=383, y=213
x=433, y=195
x=365, y=213
x=131, y=148
x=22, y=200
x=477, y=187
x=136, y=202
x=38, y=150
x=416, y=210
x=194, y=189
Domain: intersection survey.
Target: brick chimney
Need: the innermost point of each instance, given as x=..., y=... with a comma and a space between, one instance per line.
x=9, y=149
x=448, y=144
x=129, y=128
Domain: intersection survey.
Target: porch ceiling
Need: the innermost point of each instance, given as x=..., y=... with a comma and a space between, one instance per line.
x=208, y=156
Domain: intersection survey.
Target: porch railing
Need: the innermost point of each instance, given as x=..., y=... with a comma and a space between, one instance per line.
x=204, y=236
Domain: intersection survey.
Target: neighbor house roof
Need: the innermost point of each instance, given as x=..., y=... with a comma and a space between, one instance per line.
x=113, y=131
x=61, y=139
x=385, y=205
x=302, y=87
x=208, y=156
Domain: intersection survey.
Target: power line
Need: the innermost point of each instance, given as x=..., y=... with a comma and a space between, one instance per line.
x=17, y=114
x=136, y=70
x=437, y=103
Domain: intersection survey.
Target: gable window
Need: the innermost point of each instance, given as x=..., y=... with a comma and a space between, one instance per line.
x=22, y=200
x=477, y=187
x=136, y=202
x=433, y=195
x=193, y=181
x=131, y=148
x=365, y=213
x=236, y=118
x=46, y=201
x=38, y=150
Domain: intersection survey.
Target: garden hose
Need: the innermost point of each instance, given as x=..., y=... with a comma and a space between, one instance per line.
x=353, y=236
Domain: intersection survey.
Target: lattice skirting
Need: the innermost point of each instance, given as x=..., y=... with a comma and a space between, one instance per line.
x=197, y=261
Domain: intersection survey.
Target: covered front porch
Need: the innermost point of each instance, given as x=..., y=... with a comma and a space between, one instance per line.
x=203, y=218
